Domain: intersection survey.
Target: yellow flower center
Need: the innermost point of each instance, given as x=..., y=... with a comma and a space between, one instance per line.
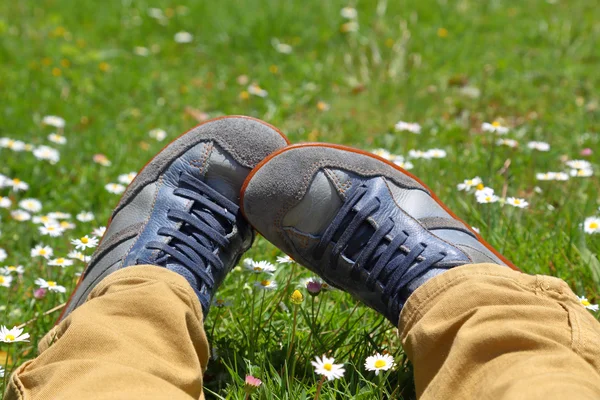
x=220, y=302
x=60, y=260
x=10, y=337
x=517, y=201
x=11, y=268
x=594, y=225
x=84, y=240
x=496, y=124
x=327, y=367
x=42, y=252
x=64, y=224
x=16, y=181
x=51, y=283
x=257, y=269
x=585, y=303
x=488, y=198
x=480, y=186
x=380, y=364
x=1, y=279
x=265, y=283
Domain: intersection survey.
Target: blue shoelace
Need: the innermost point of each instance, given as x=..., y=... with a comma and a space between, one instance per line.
x=388, y=262
x=203, y=229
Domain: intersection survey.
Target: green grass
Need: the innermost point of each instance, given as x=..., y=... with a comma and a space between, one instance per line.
x=534, y=62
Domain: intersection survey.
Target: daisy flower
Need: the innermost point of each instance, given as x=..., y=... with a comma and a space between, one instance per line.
x=561, y=176
x=348, y=13
x=351, y=26
x=418, y=154
x=3, y=255
x=14, y=145
x=468, y=184
x=579, y=164
x=53, y=120
x=52, y=229
x=13, y=335
x=251, y=383
x=256, y=90
x=50, y=285
x=507, y=142
x=582, y=173
x=99, y=232
x=59, y=215
x=487, y=198
x=515, y=202
x=77, y=255
x=412, y=127
x=61, y=262
x=141, y=51
x=1, y=372
x=31, y=205
x=85, y=242
x=325, y=366
x=56, y=138
x=115, y=188
x=481, y=190
x=102, y=160
x=539, y=146
x=183, y=37
x=282, y=48
x=284, y=260
x=379, y=362
x=494, y=127
x=591, y=225
x=47, y=153
x=158, y=134
x=17, y=269
x=585, y=302
x=126, y=179
x=436, y=153
x=66, y=225
x=42, y=251
x=5, y=202
x=5, y=280
x=85, y=216
x=20, y=215
x=383, y=153
x=260, y=266
x=16, y=184
x=266, y=284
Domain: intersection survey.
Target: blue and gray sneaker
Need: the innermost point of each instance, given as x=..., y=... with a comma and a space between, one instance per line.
x=362, y=223
x=181, y=211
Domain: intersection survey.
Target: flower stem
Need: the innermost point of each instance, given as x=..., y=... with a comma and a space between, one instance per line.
x=319, y=386
x=293, y=334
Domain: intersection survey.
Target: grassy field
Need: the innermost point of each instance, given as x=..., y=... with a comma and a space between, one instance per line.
x=114, y=72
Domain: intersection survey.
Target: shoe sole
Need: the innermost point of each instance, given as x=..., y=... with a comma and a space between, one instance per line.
x=365, y=153
x=140, y=172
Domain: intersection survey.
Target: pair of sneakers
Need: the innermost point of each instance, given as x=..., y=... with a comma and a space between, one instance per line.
x=360, y=222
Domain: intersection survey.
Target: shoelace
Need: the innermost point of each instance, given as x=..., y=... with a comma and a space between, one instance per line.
x=387, y=261
x=202, y=230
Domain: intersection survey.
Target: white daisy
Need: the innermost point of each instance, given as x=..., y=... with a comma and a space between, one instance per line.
x=494, y=127
x=20, y=215
x=561, y=176
x=5, y=202
x=539, y=146
x=50, y=285
x=436, y=153
x=115, y=188
x=13, y=335
x=56, y=138
x=481, y=190
x=3, y=255
x=507, y=142
x=16, y=184
x=515, y=202
x=404, y=164
x=61, y=262
x=141, y=51
x=468, y=184
x=487, y=198
x=53, y=120
x=256, y=90
x=383, y=153
x=126, y=179
x=5, y=280
x=77, y=255
x=17, y=269
x=325, y=366
x=52, y=229
x=586, y=303
x=66, y=225
x=266, y=284
x=591, y=225
x=348, y=13
x=582, y=173
x=579, y=164
x=31, y=205
x=284, y=260
x=99, y=232
x=12, y=144
x=59, y=215
x=158, y=134
x=412, y=127
x=47, y=153
x=85, y=216
x=183, y=37
x=379, y=362
x=85, y=242
x=418, y=154
x=282, y=48
x=42, y=251
x=260, y=266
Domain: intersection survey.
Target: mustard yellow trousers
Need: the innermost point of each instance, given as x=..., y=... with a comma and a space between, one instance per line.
x=474, y=332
